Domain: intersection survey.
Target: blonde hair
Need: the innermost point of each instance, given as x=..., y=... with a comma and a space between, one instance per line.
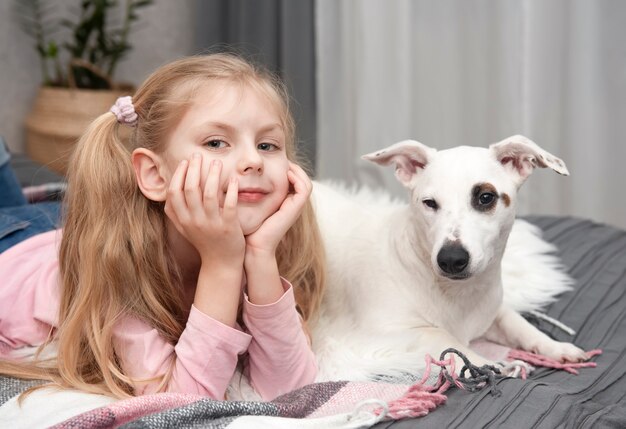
x=114, y=259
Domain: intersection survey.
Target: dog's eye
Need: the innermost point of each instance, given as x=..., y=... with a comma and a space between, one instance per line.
x=430, y=203
x=486, y=198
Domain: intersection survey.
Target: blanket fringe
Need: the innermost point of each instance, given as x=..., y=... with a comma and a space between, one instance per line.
x=546, y=362
x=421, y=398
x=562, y=326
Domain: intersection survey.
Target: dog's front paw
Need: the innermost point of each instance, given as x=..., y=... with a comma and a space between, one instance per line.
x=561, y=351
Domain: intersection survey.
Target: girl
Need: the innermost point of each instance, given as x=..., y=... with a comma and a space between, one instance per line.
x=167, y=267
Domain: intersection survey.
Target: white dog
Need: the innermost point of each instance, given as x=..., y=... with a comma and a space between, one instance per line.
x=406, y=280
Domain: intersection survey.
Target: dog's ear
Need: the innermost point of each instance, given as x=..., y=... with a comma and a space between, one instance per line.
x=521, y=155
x=408, y=156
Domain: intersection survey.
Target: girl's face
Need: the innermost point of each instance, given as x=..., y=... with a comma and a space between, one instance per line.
x=239, y=126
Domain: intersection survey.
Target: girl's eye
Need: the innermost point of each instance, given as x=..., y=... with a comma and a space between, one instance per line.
x=215, y=144
x=267, y=147
x=430, y=203
x=486, y=198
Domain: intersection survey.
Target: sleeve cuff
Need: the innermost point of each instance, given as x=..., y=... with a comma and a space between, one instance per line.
x=286, y=302
x=204, y=323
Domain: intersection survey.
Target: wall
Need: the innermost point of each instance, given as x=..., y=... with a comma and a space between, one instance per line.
x=165, y=32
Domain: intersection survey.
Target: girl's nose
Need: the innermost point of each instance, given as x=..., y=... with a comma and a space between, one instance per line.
x=251, y=161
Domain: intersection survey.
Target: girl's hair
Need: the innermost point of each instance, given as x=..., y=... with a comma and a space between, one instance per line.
x=114, y=259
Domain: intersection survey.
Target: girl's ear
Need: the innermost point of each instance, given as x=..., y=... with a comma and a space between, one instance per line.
x=150, y=174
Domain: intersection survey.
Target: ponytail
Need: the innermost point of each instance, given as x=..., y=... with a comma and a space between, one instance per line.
x=113, y=262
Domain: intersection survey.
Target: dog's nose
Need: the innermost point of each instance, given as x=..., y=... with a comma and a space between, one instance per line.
x=453, y=258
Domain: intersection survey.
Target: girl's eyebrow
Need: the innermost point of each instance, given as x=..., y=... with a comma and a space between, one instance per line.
x=271, y=127
x=231, y=129
x=220, y=125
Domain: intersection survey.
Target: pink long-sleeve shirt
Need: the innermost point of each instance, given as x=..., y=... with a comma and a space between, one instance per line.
x=204, y=358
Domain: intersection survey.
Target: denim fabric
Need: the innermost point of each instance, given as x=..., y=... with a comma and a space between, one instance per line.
x=10, y=189
x=21, y=222
x=5, y=156
x=18, y=219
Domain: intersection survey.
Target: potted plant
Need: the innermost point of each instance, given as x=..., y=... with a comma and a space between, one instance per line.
x=77, y=73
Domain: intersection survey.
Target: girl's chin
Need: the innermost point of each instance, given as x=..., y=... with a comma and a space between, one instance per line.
x=250, y=226
x=252, y=218
x=250, y=230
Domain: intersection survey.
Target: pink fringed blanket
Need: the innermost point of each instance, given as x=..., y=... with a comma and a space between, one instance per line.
x=333, y=404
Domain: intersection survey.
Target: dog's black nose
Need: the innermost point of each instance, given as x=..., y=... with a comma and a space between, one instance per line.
x=453, y=258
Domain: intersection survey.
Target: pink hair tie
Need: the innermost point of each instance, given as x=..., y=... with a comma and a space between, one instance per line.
x=124, y=110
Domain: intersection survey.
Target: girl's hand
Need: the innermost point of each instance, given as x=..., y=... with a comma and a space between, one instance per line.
x=213, y=230
x=268, y=236
x=264, y=285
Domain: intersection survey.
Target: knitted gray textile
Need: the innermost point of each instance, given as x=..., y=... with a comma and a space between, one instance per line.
x=205, y=413
x=10, y=387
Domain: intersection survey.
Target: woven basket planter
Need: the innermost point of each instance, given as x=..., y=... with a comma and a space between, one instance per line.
x=59, y=117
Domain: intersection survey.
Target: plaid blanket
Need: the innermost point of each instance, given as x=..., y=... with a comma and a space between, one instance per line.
x=339, y=404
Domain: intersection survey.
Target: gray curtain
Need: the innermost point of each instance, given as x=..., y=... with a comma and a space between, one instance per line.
x=277, y=33
x=472, y=72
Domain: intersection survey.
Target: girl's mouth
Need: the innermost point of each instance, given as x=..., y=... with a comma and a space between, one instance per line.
x=251, y=195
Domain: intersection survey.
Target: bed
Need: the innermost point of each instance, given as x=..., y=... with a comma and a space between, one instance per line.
x=595, y=256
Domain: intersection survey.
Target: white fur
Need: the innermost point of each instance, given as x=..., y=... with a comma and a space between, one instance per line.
x=388, y=303
x=532, y=275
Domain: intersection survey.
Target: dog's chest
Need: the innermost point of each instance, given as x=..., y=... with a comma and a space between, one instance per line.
x=467, y=314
